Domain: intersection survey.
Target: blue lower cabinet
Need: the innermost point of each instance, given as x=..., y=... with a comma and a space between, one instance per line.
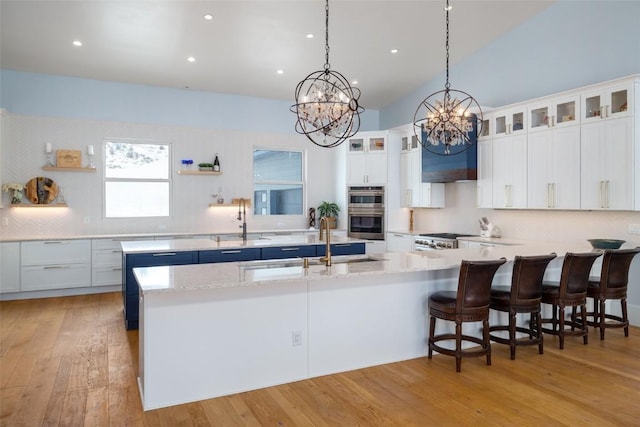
x=288, y=252
x=342, y=249
x=229, y=255
x=130, y=290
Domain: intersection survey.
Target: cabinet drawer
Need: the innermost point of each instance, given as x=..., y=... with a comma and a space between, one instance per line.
x=229, y=255
x=107, y=257
x=106, y=244
x=162, y=258
x=55, y=277
x=106, y=276
x=342, y=249
x=288, y=252
x=51, y=252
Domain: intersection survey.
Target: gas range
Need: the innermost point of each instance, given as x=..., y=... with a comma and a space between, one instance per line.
x=437, y=241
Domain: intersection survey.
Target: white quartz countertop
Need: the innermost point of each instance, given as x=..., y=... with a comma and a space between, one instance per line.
x=187, y=278
x=170, y=245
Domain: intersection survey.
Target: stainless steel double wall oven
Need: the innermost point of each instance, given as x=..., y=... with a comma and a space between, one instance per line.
x=366, y=212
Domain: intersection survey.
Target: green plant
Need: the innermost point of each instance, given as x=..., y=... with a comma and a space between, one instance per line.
x=328, y=209
x=205, y=165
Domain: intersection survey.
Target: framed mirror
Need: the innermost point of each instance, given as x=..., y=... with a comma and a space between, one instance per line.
x=41, y=190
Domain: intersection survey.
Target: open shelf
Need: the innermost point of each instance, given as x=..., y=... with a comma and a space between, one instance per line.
x=54, y=168
x=234, y=202
x=197, y=172
x=36, y=205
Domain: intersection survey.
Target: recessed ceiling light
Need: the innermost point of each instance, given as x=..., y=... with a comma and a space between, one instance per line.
x=208, y=17
x=191, y=59
x=77, y=43
x=280, y=71
x=309, y=36
x=448, y=8
x=394, y=50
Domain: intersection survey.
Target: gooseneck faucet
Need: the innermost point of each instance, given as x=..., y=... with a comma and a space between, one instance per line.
x=242, y=216
x=324, y=224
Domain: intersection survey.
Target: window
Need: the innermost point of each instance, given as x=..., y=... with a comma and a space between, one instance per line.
x=278, y=182
x=136, y=179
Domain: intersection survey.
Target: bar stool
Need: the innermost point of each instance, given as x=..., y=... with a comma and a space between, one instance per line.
x=613, y=282
x=523, y=296
x=571, y=291
x=470, y=303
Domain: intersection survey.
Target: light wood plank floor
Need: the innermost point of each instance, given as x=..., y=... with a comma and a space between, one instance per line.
x=69, y=361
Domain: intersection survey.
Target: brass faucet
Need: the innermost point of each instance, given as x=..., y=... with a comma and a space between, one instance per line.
x=324, y=224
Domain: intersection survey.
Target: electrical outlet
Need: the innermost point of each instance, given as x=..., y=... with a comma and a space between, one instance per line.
x=5, y=221
x=87, y=219
x=296, y=338
x=634, y=228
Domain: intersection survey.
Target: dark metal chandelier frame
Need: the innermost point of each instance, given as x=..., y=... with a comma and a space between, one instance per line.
x=448, y=121
x=327, y=108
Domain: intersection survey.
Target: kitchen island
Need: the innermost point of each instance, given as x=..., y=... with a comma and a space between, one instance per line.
x=217, y=329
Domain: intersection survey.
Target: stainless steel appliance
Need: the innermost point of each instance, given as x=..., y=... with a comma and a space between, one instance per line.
x=437, y=241
x=366, y=212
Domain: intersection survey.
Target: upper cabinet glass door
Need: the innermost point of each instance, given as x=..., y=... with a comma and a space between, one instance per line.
x=606, y=103
x=554, y=112
x=376, y=144
x=356, y=145
x=507, y=122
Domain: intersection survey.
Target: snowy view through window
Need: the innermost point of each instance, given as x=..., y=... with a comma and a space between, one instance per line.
x=136, y=179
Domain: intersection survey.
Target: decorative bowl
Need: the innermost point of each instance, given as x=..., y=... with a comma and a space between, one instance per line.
x=606, y=243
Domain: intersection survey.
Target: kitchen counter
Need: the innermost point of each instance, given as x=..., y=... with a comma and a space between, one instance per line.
x=186, y=278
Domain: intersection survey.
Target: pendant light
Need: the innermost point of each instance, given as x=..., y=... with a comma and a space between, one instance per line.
x=447, y=122
x=326, y=106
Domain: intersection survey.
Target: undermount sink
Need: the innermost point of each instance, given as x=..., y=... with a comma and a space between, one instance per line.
x=298, y=262
x=234, y=238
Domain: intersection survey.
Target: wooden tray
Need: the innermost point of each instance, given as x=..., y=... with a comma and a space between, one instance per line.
x=68, y=158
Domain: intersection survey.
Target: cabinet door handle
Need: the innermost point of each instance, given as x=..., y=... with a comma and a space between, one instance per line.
x=231, y=252
x=606, y=199
x=54, y=267
x=166, y=254
x=116, y=251
x=289, y=249
x=554, y=199
x=603, y=111
x=116, y=269
x=52, y=242
x=343, y=245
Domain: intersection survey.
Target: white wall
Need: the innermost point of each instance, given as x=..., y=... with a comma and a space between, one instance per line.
x=23, y=156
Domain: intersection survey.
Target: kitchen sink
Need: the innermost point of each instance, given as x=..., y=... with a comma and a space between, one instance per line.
x=298, y=262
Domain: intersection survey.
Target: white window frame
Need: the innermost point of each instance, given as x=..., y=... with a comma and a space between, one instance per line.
x=168, y=180
x=303, y=182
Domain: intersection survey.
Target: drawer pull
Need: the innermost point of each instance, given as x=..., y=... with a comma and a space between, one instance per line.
x=51, y=242
x=231, y=252
x=51, y=267
x=342, y=245
x=165, y=254
x=290, y=249
x=116, y=251
x=116, y=269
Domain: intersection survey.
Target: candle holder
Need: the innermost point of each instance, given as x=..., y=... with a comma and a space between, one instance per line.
x=91, y=165
x=48, y=149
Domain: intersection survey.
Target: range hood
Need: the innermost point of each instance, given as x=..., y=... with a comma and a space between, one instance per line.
x=458, y=167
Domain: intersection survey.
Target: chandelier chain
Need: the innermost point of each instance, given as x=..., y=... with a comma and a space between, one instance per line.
x=327, y=66
x=447, y=84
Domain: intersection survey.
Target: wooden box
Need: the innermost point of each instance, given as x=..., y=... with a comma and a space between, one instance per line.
x=68, y=158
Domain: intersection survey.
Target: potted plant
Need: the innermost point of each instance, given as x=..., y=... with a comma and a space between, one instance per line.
x=205, y=166
x=330, y=210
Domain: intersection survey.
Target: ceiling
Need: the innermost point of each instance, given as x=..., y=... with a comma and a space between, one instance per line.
x=240, y=49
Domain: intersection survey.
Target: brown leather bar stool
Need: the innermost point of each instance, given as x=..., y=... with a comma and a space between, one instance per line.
x=571, y=291
x=523, y=296
x=614, y=278
x=470, y=303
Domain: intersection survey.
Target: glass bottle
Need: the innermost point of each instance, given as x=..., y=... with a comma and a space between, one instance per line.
x=216, y=164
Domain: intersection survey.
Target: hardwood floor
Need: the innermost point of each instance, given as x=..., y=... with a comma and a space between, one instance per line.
x=69, y=361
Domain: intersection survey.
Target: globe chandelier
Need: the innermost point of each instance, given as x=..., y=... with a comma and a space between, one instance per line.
x=447, y=122
x=327, y=108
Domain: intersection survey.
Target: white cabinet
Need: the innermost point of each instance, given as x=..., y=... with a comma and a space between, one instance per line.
x=399, y=242
x=510, y=171
x=484, y=191
x=10, y=267
x=106, y=262
x=367, y=158
x=510, y=121
x=554, y=112
x=608, y=163
x=554, y=168
x=608, y=102
x=414, y=192
x=55, y=264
